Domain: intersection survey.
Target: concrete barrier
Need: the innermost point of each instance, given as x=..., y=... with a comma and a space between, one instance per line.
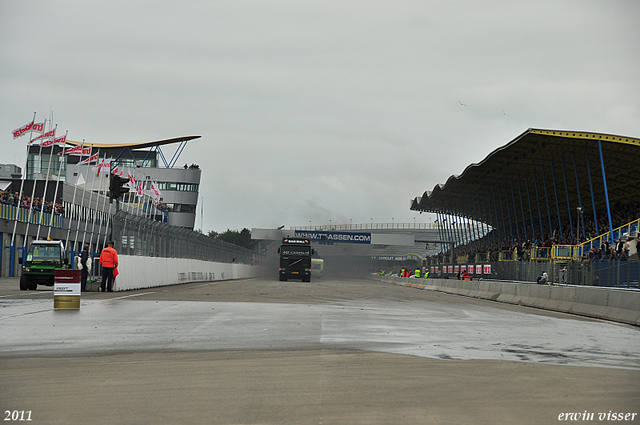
x=563, y=298
x=508, y=293
x=148, y=272
x=623, y=307
x=590, y=301
x=619, y=305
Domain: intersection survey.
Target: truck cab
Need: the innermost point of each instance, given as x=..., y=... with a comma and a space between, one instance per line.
x=39, y=267
x=295, y=259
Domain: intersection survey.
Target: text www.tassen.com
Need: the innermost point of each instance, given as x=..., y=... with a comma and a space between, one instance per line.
x=336, y=237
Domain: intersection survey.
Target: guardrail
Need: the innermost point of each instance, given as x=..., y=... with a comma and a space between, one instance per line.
x=621, y=232
x=25, y=215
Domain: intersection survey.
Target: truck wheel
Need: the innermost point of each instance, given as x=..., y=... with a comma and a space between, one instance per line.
x=283, y=279
x=24, y=283
x=306, y=279
x=33, y=286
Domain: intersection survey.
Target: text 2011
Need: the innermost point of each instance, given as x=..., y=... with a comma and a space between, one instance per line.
x=17, y=415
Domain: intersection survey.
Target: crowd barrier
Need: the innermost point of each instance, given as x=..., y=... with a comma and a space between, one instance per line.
x=618, y=305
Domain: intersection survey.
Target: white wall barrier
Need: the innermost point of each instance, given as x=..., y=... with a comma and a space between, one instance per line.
x=619, y=305
x=148, y=272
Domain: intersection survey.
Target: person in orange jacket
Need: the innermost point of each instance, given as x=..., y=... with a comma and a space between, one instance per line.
x=108, y=261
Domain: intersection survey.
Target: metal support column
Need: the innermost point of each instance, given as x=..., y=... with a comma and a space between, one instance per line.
x=555, y=192
x=546, y=195
x=489, y=218
x=533, y=228
x=524, y=220
x=515, y=210
x=593, y=200
x=502, y=212
x=495, y=208
x=606, y=192
x=566, y=189
x=581, y=216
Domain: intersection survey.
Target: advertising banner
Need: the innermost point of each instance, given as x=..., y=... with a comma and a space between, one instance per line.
x=334, y=237
x=66, y=290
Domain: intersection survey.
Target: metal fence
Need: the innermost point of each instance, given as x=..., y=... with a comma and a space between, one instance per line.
x=137, y=235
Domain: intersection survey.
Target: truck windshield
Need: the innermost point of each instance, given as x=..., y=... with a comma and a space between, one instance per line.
x=295, y=251
x=43, y=253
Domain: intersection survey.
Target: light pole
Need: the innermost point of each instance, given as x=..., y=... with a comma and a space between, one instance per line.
x=579, y=210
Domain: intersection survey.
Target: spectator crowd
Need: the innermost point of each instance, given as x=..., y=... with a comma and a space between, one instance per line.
x=490, y=245
x=13, y=198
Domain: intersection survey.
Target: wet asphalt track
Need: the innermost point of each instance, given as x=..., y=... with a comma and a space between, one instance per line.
x=332, y=351
x=458, y=330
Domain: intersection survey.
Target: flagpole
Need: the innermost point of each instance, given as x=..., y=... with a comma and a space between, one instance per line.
x=129, y=193
x=26, y=172
x=93, y=226
x=33, y=189
x=155, y=200
x=146, y=196
x=106, y=227
x=46, y=185
x=136, y=196
x=84, y=192
x=73, y=201
x=93, y=182
x=55, y=193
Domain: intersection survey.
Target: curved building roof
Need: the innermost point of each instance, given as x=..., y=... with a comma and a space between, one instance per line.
x=135, y=145
x=541, y=175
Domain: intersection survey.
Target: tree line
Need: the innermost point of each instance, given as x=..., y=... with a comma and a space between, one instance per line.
x=241, y=238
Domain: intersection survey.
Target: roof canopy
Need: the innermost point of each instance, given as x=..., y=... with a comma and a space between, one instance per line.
x=135, y=145
x=539, y=179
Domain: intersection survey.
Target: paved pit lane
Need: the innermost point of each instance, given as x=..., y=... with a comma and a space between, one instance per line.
x=328, y=352
x=416, y=328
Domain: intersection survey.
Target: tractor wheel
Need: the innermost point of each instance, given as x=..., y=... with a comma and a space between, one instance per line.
x=24, y=283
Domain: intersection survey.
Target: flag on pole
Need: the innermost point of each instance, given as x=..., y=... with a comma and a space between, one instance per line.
x=156, y=192
x=53, y=141
x=61, y=140
x=38, y=127
x=22, y=130
x=91, y=159
x=45, y=136
x=105, y=163
x=76, y=150
x=115, y=169
x=132, y=181
x=140, y=188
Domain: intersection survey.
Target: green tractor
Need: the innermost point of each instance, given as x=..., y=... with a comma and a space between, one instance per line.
x=43, y=259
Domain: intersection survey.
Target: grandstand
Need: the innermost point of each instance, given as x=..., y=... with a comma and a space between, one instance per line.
x=551, y=197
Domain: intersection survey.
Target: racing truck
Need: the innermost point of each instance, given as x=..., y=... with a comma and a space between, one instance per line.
x=295, y=259
x=43, y=259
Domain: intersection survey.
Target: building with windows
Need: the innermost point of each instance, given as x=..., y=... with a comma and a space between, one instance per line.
x=178, y=185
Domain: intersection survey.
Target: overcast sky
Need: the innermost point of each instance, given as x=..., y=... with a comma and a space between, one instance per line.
x=311, y=111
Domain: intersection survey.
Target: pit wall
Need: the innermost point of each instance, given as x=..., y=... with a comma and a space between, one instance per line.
x=618, y=305
x=149, y=272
